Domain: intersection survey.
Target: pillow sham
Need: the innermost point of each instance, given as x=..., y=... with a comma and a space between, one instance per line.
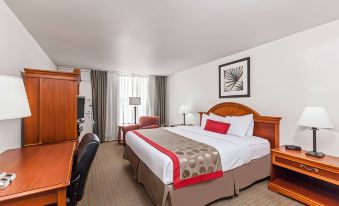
x=217, y=127
x=217, y=116
x=239, y=124
x=205, y=117
x=250, y=129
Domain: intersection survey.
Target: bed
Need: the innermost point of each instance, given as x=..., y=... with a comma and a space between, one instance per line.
x=244, y=160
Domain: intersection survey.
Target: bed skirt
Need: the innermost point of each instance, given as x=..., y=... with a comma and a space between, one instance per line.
x=199, y=194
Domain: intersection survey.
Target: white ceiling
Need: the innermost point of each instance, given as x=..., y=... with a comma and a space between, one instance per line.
x=162, y=36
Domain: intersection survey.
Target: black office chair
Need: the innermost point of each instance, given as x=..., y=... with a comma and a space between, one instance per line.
x=84, y=157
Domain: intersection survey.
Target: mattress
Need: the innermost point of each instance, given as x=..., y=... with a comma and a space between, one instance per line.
x=234, y=151
x=259, y=146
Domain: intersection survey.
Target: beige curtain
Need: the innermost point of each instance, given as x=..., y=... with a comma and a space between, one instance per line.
x=99, y=92
x=160, y=98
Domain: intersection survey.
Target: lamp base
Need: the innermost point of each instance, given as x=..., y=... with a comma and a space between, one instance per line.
x=315, y=154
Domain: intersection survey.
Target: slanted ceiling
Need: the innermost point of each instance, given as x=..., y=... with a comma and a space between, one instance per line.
x=162, y=36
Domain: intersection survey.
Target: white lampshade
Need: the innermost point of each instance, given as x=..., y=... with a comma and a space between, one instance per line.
x=184, y=109
x=13, y=99
x=315, y=117
x=134, y=100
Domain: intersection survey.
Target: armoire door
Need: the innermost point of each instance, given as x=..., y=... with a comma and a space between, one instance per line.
x=31, y=124
x=58, y=110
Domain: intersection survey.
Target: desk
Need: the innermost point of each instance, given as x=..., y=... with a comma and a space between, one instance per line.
x=42, y=174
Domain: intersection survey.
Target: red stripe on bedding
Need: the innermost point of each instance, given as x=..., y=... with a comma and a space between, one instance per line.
x=177, y=183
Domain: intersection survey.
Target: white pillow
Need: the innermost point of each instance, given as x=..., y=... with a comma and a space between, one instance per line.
x=239, y=124
x=250, y=129
x=214, y=117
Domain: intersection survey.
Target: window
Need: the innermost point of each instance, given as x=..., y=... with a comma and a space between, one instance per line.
x=132, y=85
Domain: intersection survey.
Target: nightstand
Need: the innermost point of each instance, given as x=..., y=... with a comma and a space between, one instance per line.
x=121, y=140
x=311, y=180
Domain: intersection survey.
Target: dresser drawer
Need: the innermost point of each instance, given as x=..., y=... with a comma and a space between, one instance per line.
x=311, y=170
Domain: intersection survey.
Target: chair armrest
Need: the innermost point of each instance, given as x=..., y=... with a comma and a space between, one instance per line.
x=150, y=127
x=131, y=127
x=73, y=190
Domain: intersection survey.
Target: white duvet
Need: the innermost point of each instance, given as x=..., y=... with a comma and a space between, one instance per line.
x=234, y=151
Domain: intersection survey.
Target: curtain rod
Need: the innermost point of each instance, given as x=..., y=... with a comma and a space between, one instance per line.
x=110, y=71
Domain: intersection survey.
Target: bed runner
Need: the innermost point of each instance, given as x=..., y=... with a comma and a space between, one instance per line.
x=193, y=161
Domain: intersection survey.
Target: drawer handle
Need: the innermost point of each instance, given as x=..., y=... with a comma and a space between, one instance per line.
x=309, y=169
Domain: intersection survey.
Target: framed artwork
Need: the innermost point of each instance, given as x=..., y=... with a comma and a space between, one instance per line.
x=234, y=79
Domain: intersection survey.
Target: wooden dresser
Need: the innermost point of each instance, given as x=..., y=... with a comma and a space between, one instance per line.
x=52, y=98
x=311, y=180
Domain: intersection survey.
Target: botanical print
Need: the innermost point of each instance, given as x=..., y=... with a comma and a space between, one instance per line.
x=234, y=79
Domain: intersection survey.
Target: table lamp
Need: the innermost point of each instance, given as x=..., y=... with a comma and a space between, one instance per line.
x=316, y=118
x=14, y=103
x=184, y=109
x=135, y=101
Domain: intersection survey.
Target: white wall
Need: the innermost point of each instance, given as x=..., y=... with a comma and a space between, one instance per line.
x=286, y=75
x=18, y=49
x=86, y=90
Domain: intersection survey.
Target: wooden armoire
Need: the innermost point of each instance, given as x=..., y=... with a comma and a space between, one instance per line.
x=52, y=98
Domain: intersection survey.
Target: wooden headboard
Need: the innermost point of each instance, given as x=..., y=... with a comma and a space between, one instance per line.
x=264, y=126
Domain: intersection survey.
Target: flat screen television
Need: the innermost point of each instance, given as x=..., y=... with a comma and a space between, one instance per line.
x=81, y=107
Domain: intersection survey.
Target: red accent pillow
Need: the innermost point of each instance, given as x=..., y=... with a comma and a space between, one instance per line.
x=215, y=126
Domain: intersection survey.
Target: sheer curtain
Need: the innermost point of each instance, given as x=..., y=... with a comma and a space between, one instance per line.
x=132, y=85
x=112, y=106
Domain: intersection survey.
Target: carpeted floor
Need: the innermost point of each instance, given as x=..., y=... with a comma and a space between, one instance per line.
x=110, y=182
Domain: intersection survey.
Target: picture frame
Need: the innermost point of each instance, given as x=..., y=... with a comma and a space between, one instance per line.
x=234, y=79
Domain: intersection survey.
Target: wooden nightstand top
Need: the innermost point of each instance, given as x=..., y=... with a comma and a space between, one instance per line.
x=326, y=161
